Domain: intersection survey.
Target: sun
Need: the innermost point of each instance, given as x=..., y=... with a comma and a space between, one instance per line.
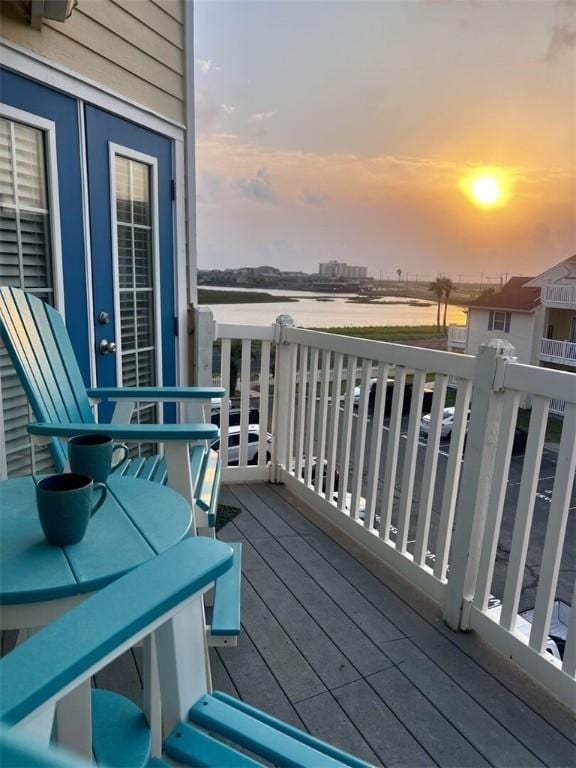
x=487, y=187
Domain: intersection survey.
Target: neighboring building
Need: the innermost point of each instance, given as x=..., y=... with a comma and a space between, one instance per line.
x=537, y=315
x=95, y=100
x=340, y=269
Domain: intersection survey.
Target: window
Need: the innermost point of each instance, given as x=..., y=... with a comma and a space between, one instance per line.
x=550, y=332
x=499, y=321
x=233, y=441
x=135, y=265
x=25, y=262
x=253, y=437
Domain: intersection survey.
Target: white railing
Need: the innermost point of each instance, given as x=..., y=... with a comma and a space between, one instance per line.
x=433, y=510
x=559, y=296
x=457, y=335
x=555, y=351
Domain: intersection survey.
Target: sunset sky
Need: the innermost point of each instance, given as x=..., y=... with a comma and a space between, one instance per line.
x=343, y=130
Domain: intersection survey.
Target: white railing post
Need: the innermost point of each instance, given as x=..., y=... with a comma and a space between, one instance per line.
x=204, y=335
x=476, y=480
x=283, y=402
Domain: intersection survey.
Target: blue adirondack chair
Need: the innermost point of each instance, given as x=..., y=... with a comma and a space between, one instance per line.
x=40, y=349
x=162, y=600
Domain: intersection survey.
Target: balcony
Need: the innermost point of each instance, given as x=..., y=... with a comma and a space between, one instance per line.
x=561, y=296
x=457, y=335
x=559, y=352
x=345, y=419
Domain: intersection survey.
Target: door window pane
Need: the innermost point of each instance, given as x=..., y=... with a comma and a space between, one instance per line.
x=134, y=239
x=25, y=262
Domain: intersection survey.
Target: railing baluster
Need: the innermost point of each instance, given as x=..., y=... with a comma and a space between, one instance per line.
x=430, y=466
x=376, y=444
x=569, y=660
x=311, y=416
x=346, y=431
x=452, y=478
x=333, y=422
x=291, y=409
x=301, y=422
x=360, y=442
x=225, y=402
x=264, y=398
x=244, y=401
x=555, y=531
x=410, y=456
x=393, y=445
x=321, y=440
x=524, y=512
x=497, y=496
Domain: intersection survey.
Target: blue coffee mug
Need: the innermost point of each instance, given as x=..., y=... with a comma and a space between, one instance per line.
x=65, y=506
x=92, y=455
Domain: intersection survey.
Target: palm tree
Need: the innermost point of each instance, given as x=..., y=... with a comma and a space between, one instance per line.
x=448, y=288
x=437, y=288
x=399, y=273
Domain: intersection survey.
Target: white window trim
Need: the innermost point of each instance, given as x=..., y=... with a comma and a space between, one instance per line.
x=50, y=156
x=117, y=150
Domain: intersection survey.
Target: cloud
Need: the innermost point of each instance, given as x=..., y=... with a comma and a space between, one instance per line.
x=207, y=65
x=563, y=38
x=258, y=188
x=228, y=109
x=259, y=117
x=208, y=188
x=312, y=198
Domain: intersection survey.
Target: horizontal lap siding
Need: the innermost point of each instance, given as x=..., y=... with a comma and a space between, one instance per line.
x=134, y=48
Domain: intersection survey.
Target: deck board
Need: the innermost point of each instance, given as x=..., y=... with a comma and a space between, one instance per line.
x=358, y=658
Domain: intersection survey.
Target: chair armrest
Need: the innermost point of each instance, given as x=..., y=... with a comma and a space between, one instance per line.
x=131, y=432
x=156, y=393
x=73, y=646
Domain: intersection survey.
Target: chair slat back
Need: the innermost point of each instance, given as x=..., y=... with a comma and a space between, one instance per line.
x=39, y=347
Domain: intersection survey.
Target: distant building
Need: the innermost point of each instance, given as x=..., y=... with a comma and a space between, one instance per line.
x=340, y=269
x=537, y=315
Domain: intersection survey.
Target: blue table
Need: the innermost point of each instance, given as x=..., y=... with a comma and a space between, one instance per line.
x=38, y=581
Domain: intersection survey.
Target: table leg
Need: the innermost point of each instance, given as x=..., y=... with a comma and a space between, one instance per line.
x=152, y=703
x=74, y=721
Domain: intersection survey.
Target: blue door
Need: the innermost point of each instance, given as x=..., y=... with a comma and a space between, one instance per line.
x=41, y=264
x=130, y=194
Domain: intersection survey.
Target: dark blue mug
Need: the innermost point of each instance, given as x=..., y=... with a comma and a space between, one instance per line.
x=65, y=506
x=92, y=455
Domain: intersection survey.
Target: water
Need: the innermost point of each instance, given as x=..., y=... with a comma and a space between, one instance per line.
x=308, y=312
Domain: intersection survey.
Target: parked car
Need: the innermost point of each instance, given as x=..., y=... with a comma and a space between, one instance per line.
x=234, y=416
x=253, y=447
x=447, y=422
x=427, y=396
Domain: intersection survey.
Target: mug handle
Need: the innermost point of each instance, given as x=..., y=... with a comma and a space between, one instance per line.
x=121, y=447
x=102, y=499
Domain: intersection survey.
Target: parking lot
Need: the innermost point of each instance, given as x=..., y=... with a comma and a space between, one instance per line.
x=540, y=518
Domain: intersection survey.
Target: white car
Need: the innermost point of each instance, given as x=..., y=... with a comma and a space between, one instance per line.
x=447, y=422
x=358, y=390
x=253, y=446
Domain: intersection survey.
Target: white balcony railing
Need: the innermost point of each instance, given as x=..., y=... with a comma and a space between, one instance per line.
x=345, y=417
x=457, y=335
x=563, y=296
x=555, y=351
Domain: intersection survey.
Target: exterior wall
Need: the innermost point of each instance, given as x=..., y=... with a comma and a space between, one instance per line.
x=133, y=47
x=521, y=333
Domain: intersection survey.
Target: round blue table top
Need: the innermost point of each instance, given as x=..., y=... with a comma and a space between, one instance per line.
x=138, y=520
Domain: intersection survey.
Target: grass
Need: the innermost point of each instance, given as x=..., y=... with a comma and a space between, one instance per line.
x=388, y=332
x=553, y=428
x=239, y=297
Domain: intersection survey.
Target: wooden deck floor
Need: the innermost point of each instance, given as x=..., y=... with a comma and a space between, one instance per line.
x=334, y=644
